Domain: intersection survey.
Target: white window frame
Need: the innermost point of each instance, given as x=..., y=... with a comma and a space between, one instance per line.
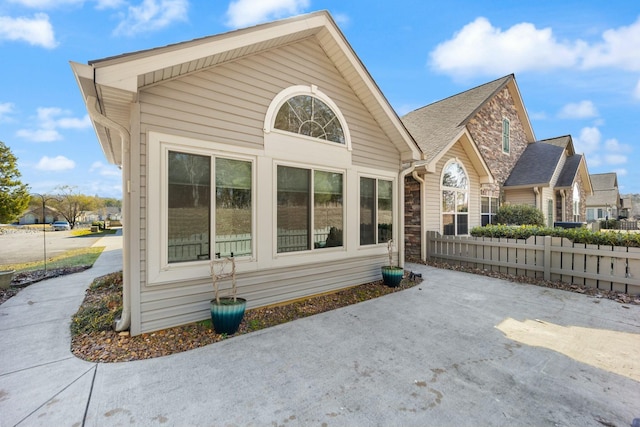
x=311, y=168
x=468, y=195
x=576, y=203
x=506, y=135
x=310, y=90
x=159, y=270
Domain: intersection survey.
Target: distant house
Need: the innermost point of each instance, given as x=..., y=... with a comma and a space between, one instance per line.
x=34, y=216
x=605, y=202
x=272, y=144
x=626, y=207
x=552, y=177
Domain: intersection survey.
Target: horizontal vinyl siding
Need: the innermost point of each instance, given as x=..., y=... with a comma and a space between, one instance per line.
x=433, y=196
x=170, y=306
x=227, y=104
x=520, y=197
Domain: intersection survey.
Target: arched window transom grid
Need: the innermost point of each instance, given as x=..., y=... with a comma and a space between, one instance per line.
x=308, y=115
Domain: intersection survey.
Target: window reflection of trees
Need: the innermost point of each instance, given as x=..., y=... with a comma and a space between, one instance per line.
x=455, y=199
x=307, y=115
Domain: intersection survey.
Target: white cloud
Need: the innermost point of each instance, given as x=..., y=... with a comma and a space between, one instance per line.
x=243, y=13
x=105, y=170
x=579, y=110
x=611, y=152
x=49, y=120
x=6, y=108
x=481, y=48
x=55, y=164
x=109, y=4
x=619, y=48
x=589, y=141
x=36, y=31
x=636, y=91
x=46, y=4
x=152, y=15
x=39, y=135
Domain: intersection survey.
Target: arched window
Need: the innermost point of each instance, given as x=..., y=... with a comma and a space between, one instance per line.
x=576, y=203
x=307, y=115
x=305, y=110
x=455, y=199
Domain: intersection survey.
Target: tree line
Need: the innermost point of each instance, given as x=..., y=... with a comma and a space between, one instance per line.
x=15, y=197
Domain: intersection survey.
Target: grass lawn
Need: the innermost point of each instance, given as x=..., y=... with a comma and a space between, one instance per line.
x=87, y=232
x=72, y=258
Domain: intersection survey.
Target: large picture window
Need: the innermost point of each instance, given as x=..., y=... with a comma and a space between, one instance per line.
x=190, y=207
x=376, y=211
x=306, y=197
x=455, y=199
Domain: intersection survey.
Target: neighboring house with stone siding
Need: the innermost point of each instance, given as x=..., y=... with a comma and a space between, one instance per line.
x=552, y=177
x=472, y=143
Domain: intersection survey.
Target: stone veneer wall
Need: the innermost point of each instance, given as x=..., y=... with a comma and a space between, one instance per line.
x=486, y=129
x=412, y=210
x=568, y=206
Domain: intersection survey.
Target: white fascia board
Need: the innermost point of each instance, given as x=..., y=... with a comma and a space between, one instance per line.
x=123, y=73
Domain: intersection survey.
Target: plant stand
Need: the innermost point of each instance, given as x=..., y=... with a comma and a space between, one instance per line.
x=226, y=312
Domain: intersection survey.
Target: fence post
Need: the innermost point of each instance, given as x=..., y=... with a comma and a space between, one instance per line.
x=428, y=245
x=547, y=257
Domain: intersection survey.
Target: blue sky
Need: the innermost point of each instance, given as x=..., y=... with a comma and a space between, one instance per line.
x=577, y=64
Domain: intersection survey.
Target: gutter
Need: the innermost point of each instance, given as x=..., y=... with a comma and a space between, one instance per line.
x=123, y=323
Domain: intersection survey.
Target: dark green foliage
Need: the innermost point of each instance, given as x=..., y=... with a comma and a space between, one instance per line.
x=14, y=195
x=577, y=235
x=519, y=215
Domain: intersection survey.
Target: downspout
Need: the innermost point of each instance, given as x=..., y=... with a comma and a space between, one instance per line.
x=423, y=241
x=124, y=321
x=536, y=190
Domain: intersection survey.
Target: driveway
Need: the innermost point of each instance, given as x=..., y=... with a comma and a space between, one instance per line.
x=17, y=246
x=449, y=352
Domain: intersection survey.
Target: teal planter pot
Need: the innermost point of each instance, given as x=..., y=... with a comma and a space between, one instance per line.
x=392, y=276
x=227, y=315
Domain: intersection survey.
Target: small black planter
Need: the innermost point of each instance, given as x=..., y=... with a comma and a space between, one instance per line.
x=392, y=276
x=227, y=315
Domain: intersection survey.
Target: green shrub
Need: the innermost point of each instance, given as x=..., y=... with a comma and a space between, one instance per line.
x=519, y=215
x=577, y=235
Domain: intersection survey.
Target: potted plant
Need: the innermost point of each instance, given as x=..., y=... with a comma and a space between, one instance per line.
x=5, y=278
x=226, y=312
x=391, y=275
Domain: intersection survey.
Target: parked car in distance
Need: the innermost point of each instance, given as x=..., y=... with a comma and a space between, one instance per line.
x=60, y=226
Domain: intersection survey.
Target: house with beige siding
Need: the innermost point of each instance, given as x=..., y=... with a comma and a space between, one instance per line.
x=470, y=141
x=552, y=177
x=480, y=151
x=271, y=144
x=605, y=202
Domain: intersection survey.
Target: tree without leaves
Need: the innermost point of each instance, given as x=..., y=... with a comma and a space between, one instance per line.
x=71, y=204
x=14, y=195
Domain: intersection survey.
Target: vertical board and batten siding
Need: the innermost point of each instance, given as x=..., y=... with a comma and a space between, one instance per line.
x=610, y=268
x=433, y=202
x=227, y=104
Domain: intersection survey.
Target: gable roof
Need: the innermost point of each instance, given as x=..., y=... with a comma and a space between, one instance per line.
x=536, y=165
x=604, y=181
x=434, y=126
x=540, y=160
x=110, y=85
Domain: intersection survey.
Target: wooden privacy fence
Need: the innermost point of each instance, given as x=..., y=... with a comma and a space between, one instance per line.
x=611, y=268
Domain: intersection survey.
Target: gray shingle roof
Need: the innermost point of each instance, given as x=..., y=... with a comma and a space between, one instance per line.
x=436, y=125
x=604, y=181
x=536, y=165
x=569, y=171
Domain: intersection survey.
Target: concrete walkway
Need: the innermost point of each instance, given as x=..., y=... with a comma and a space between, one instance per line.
x=428, y=356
